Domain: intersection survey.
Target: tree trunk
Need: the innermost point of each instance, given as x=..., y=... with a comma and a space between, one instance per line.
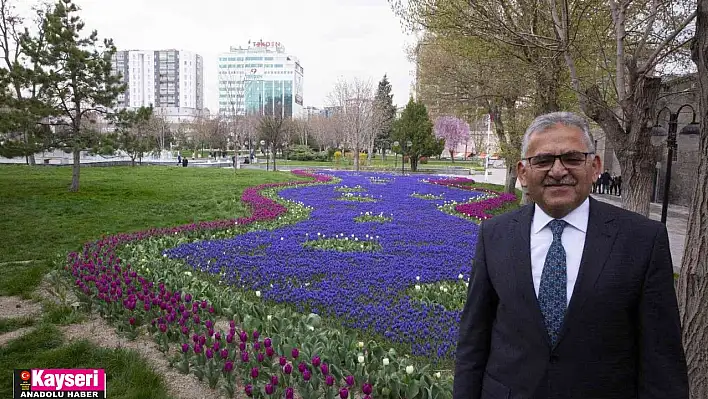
x=452, y=155
x=693, y=278
x=356, y=158
x=510, y=183
x=132, y=161
x=414, y=163
x=273, y=152
x=632, y=142
x=75, y=170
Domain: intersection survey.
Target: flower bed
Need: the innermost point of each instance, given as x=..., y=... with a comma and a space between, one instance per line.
x=362, y=290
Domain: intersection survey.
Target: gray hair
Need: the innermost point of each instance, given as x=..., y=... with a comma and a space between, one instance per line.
x=547, y=121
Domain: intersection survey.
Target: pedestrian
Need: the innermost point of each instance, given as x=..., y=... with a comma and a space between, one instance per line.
x=179, y=159
x=185, y=161
x=605, y=177
x=569, y=297
x=619, y=185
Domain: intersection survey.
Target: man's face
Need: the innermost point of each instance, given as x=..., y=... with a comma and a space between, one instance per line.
x=558, y=185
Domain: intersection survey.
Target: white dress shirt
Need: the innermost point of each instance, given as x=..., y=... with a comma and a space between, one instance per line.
x=573, y=240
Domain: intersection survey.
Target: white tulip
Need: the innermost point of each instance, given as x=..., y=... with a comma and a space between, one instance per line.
x=360, y=359
x=386, y=361
x=258, y=294
x=410, y=370
x=417, y=287
x=269, y=317
x=460, y=276
x=188, y=274
x=360, y=344
x=417, y=278
x=437, y=375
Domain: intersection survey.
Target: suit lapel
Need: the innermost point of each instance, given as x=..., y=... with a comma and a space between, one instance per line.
x=599, y=238
x=522, y=268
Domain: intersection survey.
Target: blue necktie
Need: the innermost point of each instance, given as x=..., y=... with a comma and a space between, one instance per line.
x=553, y=294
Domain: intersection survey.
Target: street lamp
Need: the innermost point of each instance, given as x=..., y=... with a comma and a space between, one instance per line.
x=395, y=162
x=657, y=130
x=266, y=154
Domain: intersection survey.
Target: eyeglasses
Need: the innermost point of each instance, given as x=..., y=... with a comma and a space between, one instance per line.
x=570, y=160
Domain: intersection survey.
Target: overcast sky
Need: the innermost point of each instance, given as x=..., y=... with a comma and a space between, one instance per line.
x=332, y=38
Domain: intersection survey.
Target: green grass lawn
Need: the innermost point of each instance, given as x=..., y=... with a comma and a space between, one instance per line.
x=42, y=220
x=127, y=374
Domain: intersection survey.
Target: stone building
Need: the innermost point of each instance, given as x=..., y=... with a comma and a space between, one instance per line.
x=676, y=91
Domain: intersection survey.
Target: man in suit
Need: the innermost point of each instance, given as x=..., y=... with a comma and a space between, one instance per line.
x=569, y=297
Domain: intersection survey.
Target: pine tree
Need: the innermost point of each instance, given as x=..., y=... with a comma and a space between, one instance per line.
x=76, y=77
x=385, y=114
x=415, y=126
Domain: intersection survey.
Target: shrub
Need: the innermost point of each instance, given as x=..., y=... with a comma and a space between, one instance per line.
x=423, y=160
x=301, y=153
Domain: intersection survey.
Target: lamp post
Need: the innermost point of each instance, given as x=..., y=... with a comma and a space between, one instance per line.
x=408, y=145
x=266, y=154
x=691, y=128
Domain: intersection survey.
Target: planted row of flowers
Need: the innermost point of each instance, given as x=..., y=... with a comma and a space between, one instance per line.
x=132, y=302
x=476, y=209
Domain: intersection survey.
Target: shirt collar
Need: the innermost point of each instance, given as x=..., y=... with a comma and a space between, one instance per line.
x=577, y=218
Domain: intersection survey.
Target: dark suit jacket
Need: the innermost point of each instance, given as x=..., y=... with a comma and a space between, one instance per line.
x=621, y=336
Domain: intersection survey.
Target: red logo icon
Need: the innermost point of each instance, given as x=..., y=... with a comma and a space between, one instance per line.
x=25, y=375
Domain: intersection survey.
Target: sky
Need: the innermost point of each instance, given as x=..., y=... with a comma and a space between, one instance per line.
x=332, y=38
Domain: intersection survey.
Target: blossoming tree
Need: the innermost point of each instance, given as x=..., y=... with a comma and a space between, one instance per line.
x=453, y=130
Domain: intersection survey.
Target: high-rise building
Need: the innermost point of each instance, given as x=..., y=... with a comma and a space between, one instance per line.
x=261, y=78
x=172, y=81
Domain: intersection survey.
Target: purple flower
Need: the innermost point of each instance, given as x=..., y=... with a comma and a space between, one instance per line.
x=257, y=346
x=249, y=390
x=283, y=360
x=163, y=328
x=295, y=353
x=254, y=372
x=224, y=353
x=131, y=321
x=197, y=349
x=243, y=336
x=324, y=368
x=216, y=345
x=274, y=380
x=288, y=369
x=289, y=393
x=350, y=380
x=316, y=361
x=217, y=336
x=209, y=353
x=267, y=342
x=306, y=375
x=185, y=348
x=270, y=352
x=229, y=338
x=255, y=335
x=187, y=297
x=367, y=389
x=244, y=357
x=329, y=380
x=269, y=389
x=302, y=367
x=260, y=357
x=242, y=346
x=344, y=393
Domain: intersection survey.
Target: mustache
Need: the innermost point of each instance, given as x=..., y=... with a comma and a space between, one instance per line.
x=563, y=182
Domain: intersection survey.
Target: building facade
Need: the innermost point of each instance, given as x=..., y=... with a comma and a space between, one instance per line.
x=261, y=79
x=172, y=81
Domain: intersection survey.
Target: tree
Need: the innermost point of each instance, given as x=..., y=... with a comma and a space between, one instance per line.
x=355, y=114
x=693, y=277
x=415, y=126
x=646, y=36
x=384, y=115
x=23, y=135
x=75, y=74
x=273, y=128
x=135, y=135
x=453, y=130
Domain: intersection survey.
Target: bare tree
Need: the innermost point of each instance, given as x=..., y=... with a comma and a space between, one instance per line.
x=274, y=129
x=693, y=278
x=354, y=101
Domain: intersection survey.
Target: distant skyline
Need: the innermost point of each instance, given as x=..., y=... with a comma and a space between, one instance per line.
x=332, y=38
